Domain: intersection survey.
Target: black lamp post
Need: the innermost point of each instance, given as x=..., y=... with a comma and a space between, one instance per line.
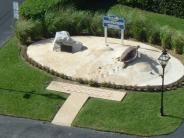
x=163, y=60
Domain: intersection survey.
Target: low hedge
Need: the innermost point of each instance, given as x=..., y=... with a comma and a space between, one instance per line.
x=78, y=22
x=166, y=37
x=140, y=27
x=169, y=7
x=95, y=26
x=28, y=31
x=154, y=35
x=75, y=22
x=35, y=9
x=178, y=42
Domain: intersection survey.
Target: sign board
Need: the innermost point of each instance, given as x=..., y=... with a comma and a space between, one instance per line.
x=114, y=22
x=15, y=9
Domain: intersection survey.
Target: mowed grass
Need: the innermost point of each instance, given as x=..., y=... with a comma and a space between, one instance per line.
x=138, y=113
x=159, y=19
x=22, y=87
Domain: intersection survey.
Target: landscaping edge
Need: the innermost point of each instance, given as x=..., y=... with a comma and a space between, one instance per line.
x=172, y=86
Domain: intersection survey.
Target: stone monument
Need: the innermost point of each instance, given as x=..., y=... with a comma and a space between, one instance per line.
x=63, y=42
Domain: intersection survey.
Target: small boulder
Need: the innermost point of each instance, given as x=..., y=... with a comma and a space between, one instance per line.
x=129, y=54
x=63, y=42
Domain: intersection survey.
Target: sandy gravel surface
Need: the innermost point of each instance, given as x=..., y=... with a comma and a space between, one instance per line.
x=99, y=62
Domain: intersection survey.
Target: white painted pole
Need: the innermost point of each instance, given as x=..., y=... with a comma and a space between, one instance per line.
x=15, y=10
x=105, y=33
x=122, y=36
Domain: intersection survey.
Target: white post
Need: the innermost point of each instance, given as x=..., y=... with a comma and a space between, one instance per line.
x=15, y=10
x=105, y=33
x=122, y=36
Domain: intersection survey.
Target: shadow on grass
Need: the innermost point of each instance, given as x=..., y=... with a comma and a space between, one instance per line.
x=28, y=94
x=173, y=116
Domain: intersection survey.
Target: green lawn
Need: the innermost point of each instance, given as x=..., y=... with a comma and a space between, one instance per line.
x=22, y=88
x=138, y=113
x=160, y=19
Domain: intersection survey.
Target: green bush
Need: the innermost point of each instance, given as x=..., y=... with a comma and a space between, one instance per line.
x=129, y=24
x=82, y=21
x=178, y=42
x=96, y=27
x=137, y=25
x=144, y=26
x=169, y=7
x=28, y=31
x=139, y=29
x=75, y=22
x=154, y=35
x=166, y=35
x=35, y=9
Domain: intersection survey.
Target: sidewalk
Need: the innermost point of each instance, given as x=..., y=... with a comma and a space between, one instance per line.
x=78, y=97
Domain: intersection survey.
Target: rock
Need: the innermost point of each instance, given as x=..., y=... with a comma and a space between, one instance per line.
x=129, y=54
x=63, y=42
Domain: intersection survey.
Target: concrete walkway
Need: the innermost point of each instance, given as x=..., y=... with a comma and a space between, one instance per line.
x=69, y=110
x=79, y=95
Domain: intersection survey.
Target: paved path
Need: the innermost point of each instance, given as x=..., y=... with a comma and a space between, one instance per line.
x=69, y=109
x=79, y=95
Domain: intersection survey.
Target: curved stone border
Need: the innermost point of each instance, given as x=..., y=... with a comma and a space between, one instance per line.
x=173, y=86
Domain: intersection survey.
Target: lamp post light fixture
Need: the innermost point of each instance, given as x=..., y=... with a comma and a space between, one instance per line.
x=163, y=60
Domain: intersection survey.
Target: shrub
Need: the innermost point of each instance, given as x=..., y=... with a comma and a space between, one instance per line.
x=28, y=31
x=154, y=35
x=96, y=27
x=75, y=22
x=165, y=35
x=139, y=29
x=137, y=24
x=178, y=42
x=35, y=9
x=128, y=27
x=57, y=21
x=82, y=21
x=128, y=16
x=140, y=26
